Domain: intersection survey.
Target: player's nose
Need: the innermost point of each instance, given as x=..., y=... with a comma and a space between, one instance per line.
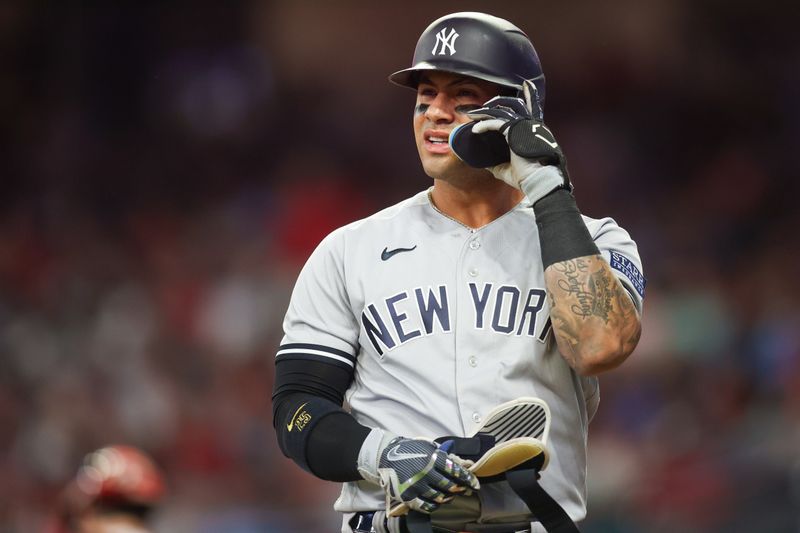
x=441, y=109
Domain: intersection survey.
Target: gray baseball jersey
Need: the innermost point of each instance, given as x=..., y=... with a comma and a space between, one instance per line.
x=440, y=324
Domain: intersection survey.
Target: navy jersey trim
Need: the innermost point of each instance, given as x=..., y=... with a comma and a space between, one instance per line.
x=315, y=352
x=545, y=330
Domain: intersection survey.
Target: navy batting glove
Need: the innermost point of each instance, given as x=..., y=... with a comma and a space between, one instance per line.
x=528, y=136
x=536, y=163
x=490, y=148
x=417, y=474
x=508, y=122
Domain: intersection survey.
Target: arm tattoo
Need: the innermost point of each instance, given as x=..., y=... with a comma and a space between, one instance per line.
x=593, y=293
x=588, y=303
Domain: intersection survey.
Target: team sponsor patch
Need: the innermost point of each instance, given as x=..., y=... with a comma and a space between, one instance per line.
x=626, y=266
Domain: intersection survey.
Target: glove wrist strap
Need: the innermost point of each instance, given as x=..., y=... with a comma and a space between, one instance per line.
x=541, y=182
x=370, y=453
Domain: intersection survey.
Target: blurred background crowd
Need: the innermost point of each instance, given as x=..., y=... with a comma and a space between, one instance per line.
x=166, y=171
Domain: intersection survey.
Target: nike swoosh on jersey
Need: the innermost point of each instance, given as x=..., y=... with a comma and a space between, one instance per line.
x=394, y=455
x=387, y=254
x=290, y=425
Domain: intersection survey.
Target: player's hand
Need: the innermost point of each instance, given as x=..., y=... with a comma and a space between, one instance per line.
x=418, y=474
x=537, y=165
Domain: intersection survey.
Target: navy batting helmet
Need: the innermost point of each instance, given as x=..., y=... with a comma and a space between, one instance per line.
x=478, y=45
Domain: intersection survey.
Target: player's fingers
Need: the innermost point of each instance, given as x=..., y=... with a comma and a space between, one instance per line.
x=450, y=476
x=436, y=487
x=485, y=113
x=488, y=125
x=432, y=504
x=531, y=94
x=517, y=105
x=459, y=471
x=423, y=506
x=401, y=509
x=433, y=495
x=438, y=484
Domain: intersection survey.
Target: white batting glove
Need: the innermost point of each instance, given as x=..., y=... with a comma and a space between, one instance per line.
x=414, y=473
x=537, y=166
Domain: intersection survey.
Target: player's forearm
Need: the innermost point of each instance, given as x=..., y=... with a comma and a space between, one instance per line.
x=312, y=428
x=320, y=437
x=594, y=320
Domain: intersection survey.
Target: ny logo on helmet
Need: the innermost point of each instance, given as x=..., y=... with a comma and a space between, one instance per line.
x=446, y=41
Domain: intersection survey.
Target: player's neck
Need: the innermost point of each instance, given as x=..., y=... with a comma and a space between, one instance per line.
x=476, y=205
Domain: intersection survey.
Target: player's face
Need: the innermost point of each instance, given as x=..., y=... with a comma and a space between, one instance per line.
x=443, y=101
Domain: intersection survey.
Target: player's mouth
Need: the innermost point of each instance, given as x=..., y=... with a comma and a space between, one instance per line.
x=436, y=141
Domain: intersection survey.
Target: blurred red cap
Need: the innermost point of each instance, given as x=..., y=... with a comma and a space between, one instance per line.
x=120, y=474
x=114, y=475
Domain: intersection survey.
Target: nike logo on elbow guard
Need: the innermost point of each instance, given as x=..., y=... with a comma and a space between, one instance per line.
x=290, y=425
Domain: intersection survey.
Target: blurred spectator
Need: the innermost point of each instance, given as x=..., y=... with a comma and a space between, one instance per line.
x=115, y=491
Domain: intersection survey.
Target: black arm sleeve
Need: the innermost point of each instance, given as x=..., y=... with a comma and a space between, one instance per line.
x=562, y=232
x=312, y=428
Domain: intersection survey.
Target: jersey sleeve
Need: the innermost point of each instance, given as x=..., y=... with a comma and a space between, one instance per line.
x=319, y=323
x=622, y=254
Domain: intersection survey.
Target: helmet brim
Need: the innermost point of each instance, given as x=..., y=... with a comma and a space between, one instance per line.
x=409, y=77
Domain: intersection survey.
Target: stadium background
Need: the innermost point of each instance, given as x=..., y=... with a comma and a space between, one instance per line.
x=166, y=170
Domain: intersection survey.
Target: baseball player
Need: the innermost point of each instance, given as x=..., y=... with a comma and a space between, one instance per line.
x=490, y=286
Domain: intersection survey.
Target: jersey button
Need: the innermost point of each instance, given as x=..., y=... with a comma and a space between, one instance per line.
x=474, y=245
x=473, y=361
x=476, y=418
x=473, y=272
